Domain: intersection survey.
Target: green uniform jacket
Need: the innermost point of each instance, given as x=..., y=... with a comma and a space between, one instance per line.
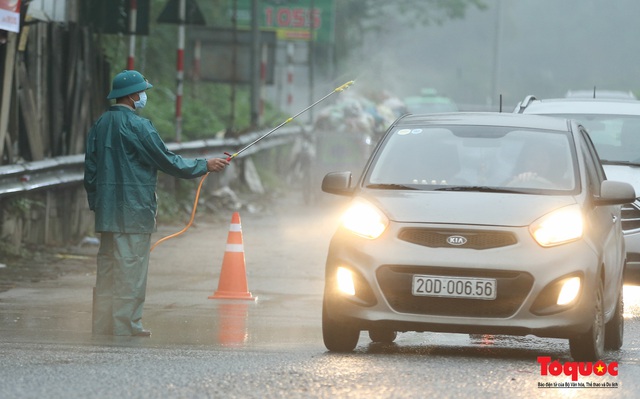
x=123, y=156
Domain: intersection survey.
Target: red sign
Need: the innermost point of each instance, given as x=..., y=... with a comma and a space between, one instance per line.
x=10, y=15
x=297, y=21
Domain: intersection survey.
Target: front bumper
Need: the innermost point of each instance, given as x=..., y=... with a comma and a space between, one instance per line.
x=384, y=270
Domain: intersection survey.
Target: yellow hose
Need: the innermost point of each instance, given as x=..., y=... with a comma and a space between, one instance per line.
x=193, y=215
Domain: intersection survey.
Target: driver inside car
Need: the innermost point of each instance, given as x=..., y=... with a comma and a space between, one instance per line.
x=539, y=168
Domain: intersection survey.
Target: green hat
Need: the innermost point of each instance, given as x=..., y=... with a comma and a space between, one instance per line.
x=128, y=82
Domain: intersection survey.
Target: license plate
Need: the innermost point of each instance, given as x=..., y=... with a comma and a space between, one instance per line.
x=454, y=287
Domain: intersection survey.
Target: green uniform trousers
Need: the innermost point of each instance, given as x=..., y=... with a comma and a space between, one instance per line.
x=121, y=283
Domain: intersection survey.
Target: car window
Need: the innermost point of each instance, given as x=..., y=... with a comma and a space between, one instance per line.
x=434, y=157
x=616, y=137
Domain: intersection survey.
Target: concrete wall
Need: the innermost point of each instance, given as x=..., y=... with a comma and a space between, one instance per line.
x=54, y=217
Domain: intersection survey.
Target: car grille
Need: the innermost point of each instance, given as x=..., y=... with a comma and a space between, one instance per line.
x=630, y=216
x=395, y=282
x=435, y=238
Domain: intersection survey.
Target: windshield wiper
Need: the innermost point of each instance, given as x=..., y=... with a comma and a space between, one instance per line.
x=391, y=186
x=482, y=189
x=624, y=163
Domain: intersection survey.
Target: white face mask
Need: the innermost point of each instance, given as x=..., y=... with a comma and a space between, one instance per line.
x=142, y=101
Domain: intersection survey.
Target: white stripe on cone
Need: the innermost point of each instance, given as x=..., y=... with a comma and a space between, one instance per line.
x=235, y=248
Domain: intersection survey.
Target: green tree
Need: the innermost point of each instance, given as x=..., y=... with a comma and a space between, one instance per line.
x=207, y=106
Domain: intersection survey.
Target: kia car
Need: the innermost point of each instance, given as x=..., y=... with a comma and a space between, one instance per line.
x=478, y=223
x=614, y=127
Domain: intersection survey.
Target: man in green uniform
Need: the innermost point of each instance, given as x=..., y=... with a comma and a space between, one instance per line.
x=124, y=153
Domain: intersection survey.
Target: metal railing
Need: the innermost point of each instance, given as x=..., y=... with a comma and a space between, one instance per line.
x=61, y=171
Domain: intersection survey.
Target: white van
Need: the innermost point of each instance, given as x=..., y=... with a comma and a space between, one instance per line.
x=614, y=127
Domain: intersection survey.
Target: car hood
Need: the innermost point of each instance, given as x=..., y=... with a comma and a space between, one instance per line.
x=465, y=207
x=629, y=174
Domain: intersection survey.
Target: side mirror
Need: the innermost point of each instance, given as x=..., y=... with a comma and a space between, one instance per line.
x=338, y=183
x=615, y=193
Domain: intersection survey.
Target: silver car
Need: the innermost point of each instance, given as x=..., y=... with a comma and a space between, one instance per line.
x=479, y=223
x=614, y=127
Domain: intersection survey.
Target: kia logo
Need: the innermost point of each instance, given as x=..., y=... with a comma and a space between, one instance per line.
x=456, y=240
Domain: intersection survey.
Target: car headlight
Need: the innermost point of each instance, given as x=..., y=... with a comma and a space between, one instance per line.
x=559, y=295
x=345, y=281
x=364, y=219
x=558, y=227
x=569, y=291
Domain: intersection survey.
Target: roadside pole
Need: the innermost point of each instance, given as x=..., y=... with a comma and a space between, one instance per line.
x=133, y=15
x=182, y=11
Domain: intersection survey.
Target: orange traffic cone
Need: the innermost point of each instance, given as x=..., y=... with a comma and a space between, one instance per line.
x=233, y=277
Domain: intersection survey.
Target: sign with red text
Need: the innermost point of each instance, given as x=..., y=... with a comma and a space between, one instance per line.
x=10, y=15
x=290, y=19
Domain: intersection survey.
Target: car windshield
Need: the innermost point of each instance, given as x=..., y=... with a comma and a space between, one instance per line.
x=616, y=137
x=473, y=158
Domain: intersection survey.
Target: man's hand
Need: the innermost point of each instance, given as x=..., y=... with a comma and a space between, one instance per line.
x=216, y=164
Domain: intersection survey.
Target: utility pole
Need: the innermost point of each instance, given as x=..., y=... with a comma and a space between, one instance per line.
x=175, y=12
x=133, y=15
x=182, y=11
x=255, y=70
x=234, y=66
x=496, y=53
x=311, y=56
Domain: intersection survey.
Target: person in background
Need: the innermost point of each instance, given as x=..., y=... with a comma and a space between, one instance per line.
x=124, y=153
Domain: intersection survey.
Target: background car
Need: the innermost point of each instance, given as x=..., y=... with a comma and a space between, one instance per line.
x=450, y=231
x=429, y=102
x=614, y=127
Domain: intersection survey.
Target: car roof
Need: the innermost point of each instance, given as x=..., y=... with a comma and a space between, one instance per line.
x=614, y=94
x=583, y=106
x=485, y=119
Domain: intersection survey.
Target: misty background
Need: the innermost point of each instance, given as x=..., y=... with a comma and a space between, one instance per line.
x=512, y=48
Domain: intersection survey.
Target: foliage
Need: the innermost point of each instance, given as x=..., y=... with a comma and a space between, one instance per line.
x=207, y=107
x=375, y=14
x=21, y=207
x=9, y=250
x=170, y=200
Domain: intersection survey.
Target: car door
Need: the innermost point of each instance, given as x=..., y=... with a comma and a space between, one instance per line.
x=603, y=223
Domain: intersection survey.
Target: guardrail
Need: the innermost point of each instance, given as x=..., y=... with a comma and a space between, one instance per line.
x=69, y=170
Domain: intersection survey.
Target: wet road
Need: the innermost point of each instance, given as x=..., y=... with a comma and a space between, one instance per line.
x=267, y=347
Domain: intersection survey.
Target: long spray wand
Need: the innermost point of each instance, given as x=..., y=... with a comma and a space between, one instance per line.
x=336, y=90
x=231, y=156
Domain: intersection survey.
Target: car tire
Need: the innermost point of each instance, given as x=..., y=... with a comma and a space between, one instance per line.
x=338, y=336
x=382, y=335
x=590, y=345
x=614, y=329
